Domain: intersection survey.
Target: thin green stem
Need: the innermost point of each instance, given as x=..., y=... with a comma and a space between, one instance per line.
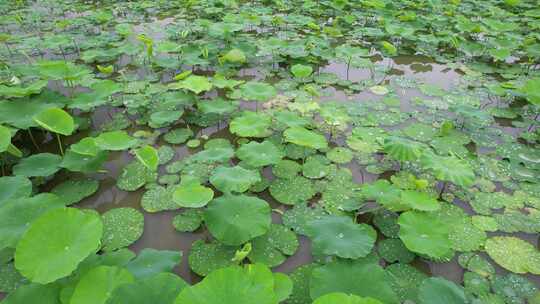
x=60, y=144
x=33, y=139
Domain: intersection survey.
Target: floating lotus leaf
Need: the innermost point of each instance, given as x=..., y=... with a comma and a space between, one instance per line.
x=273, y=248
x=73, y=191
x=42, y=164
x=134, y=176
x=340, y=155
x=158, y=199
x=385, y=194
x=178, y=136
x=425, y=234
x=218, y=106
x=164, y=118
x=148, y=156
x=514, y=288
x=21, y=114
x=76, y=162
x=403, y=149
x=339, y=235
x=438, y=290
x=370, y=280
x=257, y=91
x=301, y=71
x=449, y=168
x=191, y=194
x=305, y=138
x=464, y=236
x=234, y=179
x=292, y=191
x=300, y=216
x=419, y=200
x=97, y=285
x=56, y=243
x=316, y=167
x=56, y=120
x=338, y=297
x=162, y=288
x=251, y=124
x=235, y=219
x=86, y=146
x=205, y=258
x=405, y=280
x=286, y=169
x=165, y=154
x=188, y=221
x=393, y=250
x=476, y=284
x=122, y=227
x=234, y=56
x=514, y=254
x=259, y=154
x=485, y=223
x=115, y=141
x=420, y=132
x=194, y=83
x=150, y=262
x=14, y=187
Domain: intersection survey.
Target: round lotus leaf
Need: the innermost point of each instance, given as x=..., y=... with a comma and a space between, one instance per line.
x=56, y=243
x=178, y=136
x=316, y=167
x=286, y=169
x=477, y=264
x=260, y=186
x=148, y=156
x=484, y=223
x=10, y=278
x=43, y=164
x=514, y=288
x=234, y=179
x=205, y=258
x=272, y=248
x=340, y=155
x=165, y=154
x=339, y=297
x=217, y=143
x=464, y=236
x=188, y=221
x=162, y=288
x=438, y=290
x=425, y=234
x=419, y=200
x=257, y=91
x=191, y=194
x=14, y=187
x=196, y=84
x=158, y=199
x=97, y=285
x=292, y=191
x=214, y=155
x=236, y=219
x=403, y=149
x=393, y=250
x=293, y=151
x=134, y=176
x=405, y=280
x=300, y=216
x=305, y=138
x=449, y=168
x=115, y=141
x=121, y=228
x=193, y=143
x=259, y=154
x=55, y=120
x=151, y=261
x=251, y=124
x=301, y=71
x=514, y=254
x=339, y=235
x=379, y=90
x=73, y=191
x=420, y=132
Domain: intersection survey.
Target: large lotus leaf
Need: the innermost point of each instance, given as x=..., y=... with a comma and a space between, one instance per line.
x=34, y=293
x=148, y=156
x=56, y=243
x=151, y=261
x=163, y=288
x=251, y=124
x=236, y=219
x=257, y=91
x=292, y=191
x=84, y=163
x=205, y=258
x=305, y=138
x=43, y=164
x=20, y=114
x=339, y=235
x=259, y=154
x=73, y=191
x=14, y=187
x=449, y=168
x=425, y=234
x=217, y=106
x=386, y=222
x=514, y=254
x=97, y=285
x=214, y=155
x=158, y=199
x=405, y=280
x=56, y=120
x=438, y=290
x=286, y=168
x=272, y=248
x=122, y=227
x=419, y=200
x=234, y=179
x=403, y=149
x=115, y=141
x=343, y=298
x=359, y=277
x=300, y=278
x=301, y=215
x=192, y=194
x=384, y=193
x=194, y=83
x=233, y=284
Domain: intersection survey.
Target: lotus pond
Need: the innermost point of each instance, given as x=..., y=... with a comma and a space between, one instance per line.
x=276, y=151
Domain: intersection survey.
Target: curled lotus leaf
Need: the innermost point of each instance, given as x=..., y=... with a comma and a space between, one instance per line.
x=56, y=120
x=403, y=149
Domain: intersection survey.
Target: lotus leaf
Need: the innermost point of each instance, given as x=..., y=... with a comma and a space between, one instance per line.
x=340, y=155
x=56, y=120
x=450, y=169
x=514, y=288
x=292, y=191
x=425, y=234
x=257, y=91
x=234, y=56
x=251, y=124
x=272, y=248
x=403, y=149
x=34, y=293
x=419, y=200
x=188, y=221
x=151, y=262
x=305, y=138
x=393, y=250
x=195, y=84
x=14, y=187
x=148, y=156
x=5, y=138
x=338, y=297
x=122, y=227
x=301, y=71
x=134, y=176
x=234, y=179
x=300, y=216
x=115, y=141
x=259, y=154
x=286, y=169
x=97, y=285
x=405, y=280
x=162, y=288
x=178, y=136
x=205, y=258
x=42, y=164
x=158, y=199
x=191, y=194
x=10, y=278
x=513, y=254
x=73, y=191
x=86, y=146
x=438, y=290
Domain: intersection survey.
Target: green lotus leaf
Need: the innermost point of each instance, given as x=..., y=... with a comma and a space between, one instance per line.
x=5, y=138
x=305, y=138
x=86, y=146
x=273, y=248
x=449, y=168
x=339, y=297
x=165, y=154
x=425, y=234
x=164, y=118
x=97, y=285
x=42, y=164
x=115, y=141
x=515, y=288
x=204, y=258
x=393, y=250
x=420, y=132
x=10, y=278
x=34, y=293
x=134, y=176
x=286, y=169
x=257, y=91
x=234, y=179
x=17, y=213
x=148, y=156
x=14, y=187
x=405, y=280
x=76, y=162
x=194, y=83
x=251, y=124
x=178, y=136
x=188, y=221
x=56, y=243
x=301, y=71
x=316, y=167
x=387, y=223
x=438, y=290
x=531, y=90
x=259, y=154
x=217, y=106
x=20, y=91
x=385, y=194
x=192, y=194
x=300, y=278
x=234, y=56
x=370, y=280
x=158, y=199
x=121, y=228
x=340, y=155
x=163, y=288
x=300, y=216
x=379, y=90
x=21, y=114
x=403, y=149
x=419, y=200
x=73, y=191
x=339, y=235
x=150, y=262
x=464, y=236
x=292, y=191
x=56, y=120
x=514, y=254
x=236, y=219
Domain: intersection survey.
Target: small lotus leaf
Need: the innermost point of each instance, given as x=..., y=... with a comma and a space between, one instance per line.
x=122, y=227
x=234, y=179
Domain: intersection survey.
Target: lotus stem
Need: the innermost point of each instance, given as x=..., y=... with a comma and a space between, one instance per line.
x=348, y=67
x=60, y=144
x=33, y=139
